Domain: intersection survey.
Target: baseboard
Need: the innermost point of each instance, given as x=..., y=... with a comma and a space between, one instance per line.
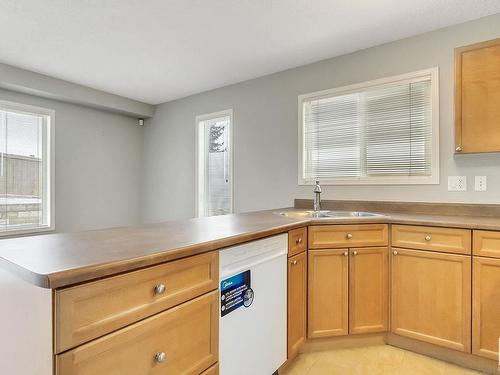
x=343, y=342
x=449, y=355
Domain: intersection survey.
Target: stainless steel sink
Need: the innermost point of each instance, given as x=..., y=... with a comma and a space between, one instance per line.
x=329, y=214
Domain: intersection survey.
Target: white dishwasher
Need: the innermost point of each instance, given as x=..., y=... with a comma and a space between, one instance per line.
x=253, y=312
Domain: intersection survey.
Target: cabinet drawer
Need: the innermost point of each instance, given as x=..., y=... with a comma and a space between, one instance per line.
x=486, y=243
x=446, y=240
x=297, y=241
x=185, y=336
x=91, y=310
x=334, y=236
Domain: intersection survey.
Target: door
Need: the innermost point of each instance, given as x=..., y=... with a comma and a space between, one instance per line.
x=297, y=302
x=431, y=297
x=486, y=307
x=368, y=290
x=328, y=292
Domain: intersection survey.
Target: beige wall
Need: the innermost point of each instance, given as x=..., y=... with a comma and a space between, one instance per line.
x=265, y=130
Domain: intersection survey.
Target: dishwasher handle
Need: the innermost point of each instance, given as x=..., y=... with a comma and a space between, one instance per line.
x=243, y=266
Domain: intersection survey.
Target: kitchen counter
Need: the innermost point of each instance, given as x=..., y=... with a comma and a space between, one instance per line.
x=59, y=260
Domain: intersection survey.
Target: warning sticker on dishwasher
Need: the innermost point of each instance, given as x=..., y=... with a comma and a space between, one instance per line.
x=235, y=292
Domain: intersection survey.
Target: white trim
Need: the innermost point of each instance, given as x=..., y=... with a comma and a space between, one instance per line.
x=48, y=163
x=386, y=180
x=198, y=119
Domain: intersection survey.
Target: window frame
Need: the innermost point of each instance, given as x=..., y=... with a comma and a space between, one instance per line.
x=433, y=179
x=48, y=168
x=199, y=176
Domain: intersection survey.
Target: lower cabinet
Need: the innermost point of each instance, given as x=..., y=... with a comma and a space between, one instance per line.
x=431, y=297
x=328, y=292
x=348, y=291
x=368, y=290
x=297, y=302
x=486, y=307
x=181, y=340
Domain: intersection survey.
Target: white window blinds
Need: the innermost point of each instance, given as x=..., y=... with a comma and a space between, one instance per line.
x=379, y=132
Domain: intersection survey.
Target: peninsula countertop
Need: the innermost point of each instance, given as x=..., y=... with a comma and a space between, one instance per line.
x=59, y=260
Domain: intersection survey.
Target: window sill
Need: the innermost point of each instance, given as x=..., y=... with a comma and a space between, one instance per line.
x=434, y=180
x=15, y=232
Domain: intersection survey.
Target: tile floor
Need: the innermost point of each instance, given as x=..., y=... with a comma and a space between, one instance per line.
x=372, y=360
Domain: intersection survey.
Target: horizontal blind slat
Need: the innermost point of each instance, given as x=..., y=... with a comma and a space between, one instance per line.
x=379, y=131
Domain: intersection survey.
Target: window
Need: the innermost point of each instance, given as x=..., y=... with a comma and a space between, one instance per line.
x=214, y=164
x=379, y=132
x=26, y=199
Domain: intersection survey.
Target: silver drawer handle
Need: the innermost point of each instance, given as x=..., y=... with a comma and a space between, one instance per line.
x=395, y=252
x=294, y=262
x=298, y=240
x=354, y=252
x=348, y=236
x=160, y=357
x=346, y=253
x=160, y=289
x=428, y=238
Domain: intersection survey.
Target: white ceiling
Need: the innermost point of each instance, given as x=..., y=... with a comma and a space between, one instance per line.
x=158, y=50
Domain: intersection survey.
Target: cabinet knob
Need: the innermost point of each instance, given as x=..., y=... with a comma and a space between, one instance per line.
x=428, y=238
x=298, y=240
x=458, y=149
x=354, y=252
x=395, y=252
x=348, y=236
x=160, y=357
x=346, y=253
x=160, y=289
x=293, y=262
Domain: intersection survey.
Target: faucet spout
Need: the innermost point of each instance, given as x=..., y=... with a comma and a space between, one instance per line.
x=317, y=197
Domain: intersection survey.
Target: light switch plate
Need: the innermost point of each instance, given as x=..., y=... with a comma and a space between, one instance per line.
x=457, y=183
x=480, y=183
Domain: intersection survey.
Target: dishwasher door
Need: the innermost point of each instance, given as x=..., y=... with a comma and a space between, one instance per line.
x=253, y=328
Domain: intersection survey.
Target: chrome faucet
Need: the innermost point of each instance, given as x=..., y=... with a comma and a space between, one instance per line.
x=317, y=197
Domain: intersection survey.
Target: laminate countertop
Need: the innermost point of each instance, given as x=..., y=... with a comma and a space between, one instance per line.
x=59, y=260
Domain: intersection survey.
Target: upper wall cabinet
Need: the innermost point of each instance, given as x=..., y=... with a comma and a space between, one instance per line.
x=477, y=97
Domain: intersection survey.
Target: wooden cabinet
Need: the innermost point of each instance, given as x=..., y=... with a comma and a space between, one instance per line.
x=297, y=302
x=348, y=291
x=431, y=297
x=328, y=292
x=486, y=307
x=90, y=310
x=486, y=243
x=477, y=94
x=214, y=370
x=446, y=240
x=297, y=241
x=368, y=290
x=181, y=340
x=345, y=236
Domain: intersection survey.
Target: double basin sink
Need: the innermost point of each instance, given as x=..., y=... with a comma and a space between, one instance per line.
x=299, y=214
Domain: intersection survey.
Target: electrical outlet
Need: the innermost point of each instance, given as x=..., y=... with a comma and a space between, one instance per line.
x=480, y=183
x=457, y=183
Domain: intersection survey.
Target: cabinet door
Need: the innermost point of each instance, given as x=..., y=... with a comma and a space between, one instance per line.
x=297, y=294
x=368, y=290
x=431, y=297
x=477, y=94
x=328, y=292
x=486, y=307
